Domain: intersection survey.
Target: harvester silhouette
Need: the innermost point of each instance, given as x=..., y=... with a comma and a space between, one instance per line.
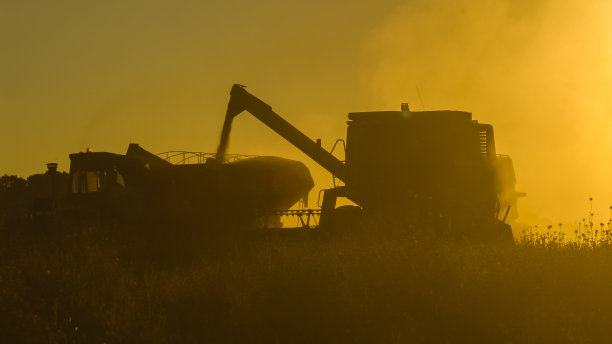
x=428, y=171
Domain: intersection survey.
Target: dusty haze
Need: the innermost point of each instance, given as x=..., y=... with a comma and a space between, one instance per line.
x=541, y=72
x=159, y=74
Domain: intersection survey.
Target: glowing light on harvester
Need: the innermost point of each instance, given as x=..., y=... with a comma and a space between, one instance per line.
x=89, y=150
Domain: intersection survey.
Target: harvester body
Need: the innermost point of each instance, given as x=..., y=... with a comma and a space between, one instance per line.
x=434, y=166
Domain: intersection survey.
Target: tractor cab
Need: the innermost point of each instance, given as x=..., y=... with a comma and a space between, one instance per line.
x=99, y=182
x=92, y=173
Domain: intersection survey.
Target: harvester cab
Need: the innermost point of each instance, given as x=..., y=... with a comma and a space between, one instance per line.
x=429, y=170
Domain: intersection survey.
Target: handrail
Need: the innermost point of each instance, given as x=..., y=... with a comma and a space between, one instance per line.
x=186, y=157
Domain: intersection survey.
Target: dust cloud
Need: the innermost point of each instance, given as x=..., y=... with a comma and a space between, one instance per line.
x=539, y=71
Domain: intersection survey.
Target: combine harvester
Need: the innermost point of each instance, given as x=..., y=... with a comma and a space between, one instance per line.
x=434, y=171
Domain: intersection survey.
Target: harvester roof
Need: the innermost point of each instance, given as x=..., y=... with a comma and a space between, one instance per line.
x=445, y=115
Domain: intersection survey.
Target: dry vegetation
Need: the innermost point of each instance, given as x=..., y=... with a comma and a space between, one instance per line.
x=90, y=283
x=582, y=235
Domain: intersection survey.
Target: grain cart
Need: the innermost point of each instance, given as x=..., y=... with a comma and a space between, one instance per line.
x=141, y=184
x=422, y=170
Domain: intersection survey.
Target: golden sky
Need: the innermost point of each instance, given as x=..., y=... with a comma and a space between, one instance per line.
x=103, y=74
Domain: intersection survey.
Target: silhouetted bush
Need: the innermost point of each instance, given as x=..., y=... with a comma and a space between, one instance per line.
x=14, y=200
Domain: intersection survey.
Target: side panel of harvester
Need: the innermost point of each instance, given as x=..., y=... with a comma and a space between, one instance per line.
x=506, y=188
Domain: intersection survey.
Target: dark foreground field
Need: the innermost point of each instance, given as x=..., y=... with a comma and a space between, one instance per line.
x=59, y=283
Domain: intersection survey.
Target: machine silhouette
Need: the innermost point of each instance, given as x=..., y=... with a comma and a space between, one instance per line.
x=432, y=172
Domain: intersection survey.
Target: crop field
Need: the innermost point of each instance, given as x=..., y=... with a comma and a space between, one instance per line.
x=88, y=283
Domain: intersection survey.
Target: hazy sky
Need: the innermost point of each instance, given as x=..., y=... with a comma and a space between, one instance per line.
x=103, y=74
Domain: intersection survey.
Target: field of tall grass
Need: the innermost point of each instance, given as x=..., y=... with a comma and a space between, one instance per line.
x=62, y=282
